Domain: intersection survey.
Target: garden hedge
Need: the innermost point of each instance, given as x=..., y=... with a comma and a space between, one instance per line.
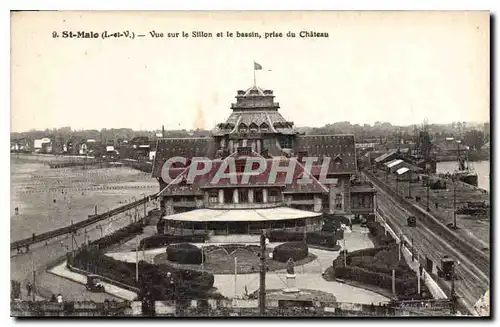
x=156, y=241
x=153, y=279
x=327, y=239
x=119, y=235
x=378, y=233
x=294, y=250
x=184, y=253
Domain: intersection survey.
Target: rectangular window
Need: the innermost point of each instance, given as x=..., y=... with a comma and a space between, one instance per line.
x=258, y=197
x=243, y=195
x=338, y=201
x=273, y=195
x=213, y=196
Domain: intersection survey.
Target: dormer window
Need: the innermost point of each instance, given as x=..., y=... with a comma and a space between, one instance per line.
x=243, y=128
x=253, y=127
x=264, y=127
x=338, y=160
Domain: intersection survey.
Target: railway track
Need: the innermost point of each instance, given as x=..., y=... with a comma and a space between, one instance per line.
x=472, y=253
x=471, y=283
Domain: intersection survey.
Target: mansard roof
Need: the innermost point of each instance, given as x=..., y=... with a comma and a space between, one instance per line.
x=185, y=147
x=262, y=180
x=339, y=148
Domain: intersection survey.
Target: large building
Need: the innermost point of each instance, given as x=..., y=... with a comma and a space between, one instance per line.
x=256, y=129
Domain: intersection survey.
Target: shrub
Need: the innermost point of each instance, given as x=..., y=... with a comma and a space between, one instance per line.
x=294, y=250
x=184, y=253
x=152, y=278
x=156, y=241
x=327, y=239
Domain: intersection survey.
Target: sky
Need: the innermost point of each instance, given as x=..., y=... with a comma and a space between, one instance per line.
x=398, y=67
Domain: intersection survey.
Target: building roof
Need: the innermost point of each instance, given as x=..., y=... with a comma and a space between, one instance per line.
x=271, y=214
x=184, y=147
x=203, y=181
x=393, y=163
x=402, y=170
x=385, y=156
x=339, y=148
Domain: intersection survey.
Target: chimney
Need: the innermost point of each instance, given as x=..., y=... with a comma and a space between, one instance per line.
x=162, y=131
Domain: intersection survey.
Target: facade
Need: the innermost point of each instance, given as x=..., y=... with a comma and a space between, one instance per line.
x=256, y=129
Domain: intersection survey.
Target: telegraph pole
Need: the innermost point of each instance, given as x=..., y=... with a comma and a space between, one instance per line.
x=262, y=290
x=34, y=279
x=137, y=261
x=454, y=204
x=409, y=183
x=428, y=186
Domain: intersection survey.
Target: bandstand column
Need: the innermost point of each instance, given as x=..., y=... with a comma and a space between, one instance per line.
x=264, y=195
x=235, y=195
x=250, y=195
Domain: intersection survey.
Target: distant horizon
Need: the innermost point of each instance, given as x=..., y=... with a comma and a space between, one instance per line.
x=209, y=129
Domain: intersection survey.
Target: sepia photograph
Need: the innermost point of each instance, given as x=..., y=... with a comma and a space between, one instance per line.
x=250, y=164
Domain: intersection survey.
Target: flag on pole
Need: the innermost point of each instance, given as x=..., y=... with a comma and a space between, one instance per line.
x=256, y=66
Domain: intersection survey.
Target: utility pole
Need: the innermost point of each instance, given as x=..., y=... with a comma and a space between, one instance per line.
x=394, y=282
x=145, y=205
x=345, y=254
x=34, y=278
x=137, y=261
x=454, y=204
x=452, y=292
x=412, y=251
x=262, y=291
x=235, y=274
x=409, y=183
x=428, y=187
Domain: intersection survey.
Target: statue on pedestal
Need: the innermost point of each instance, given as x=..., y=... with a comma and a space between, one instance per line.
x=290, y=267
x=290, y=277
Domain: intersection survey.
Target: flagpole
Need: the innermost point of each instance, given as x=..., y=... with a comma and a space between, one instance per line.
x=254, y=83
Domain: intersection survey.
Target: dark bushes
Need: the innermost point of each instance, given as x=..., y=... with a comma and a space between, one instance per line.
x=184, y=253
x=378, y=233
x=327, y=239
x=374, y=267
x=161, y=281
x=119, y=235
x=294, y=250
x=156, y=241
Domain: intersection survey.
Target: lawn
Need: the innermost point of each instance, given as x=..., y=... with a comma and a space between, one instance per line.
x=221, y=260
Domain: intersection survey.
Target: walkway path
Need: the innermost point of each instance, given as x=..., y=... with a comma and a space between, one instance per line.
x=308, y=275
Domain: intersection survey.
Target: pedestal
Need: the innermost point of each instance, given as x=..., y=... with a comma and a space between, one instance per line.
x=290, y=284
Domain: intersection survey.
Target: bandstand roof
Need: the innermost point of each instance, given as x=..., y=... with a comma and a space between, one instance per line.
x=208, y=215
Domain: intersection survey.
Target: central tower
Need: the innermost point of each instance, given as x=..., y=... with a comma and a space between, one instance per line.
x=255, y=122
